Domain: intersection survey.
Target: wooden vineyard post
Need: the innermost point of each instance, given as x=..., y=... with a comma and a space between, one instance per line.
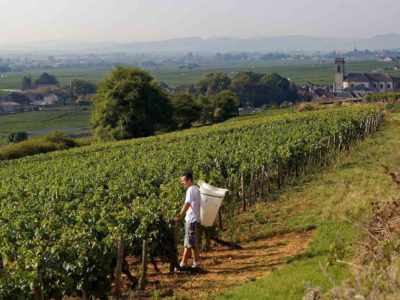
x=262, y=180
x=251, y=190
x=37, y=290
x=243, y=195
x=257, y=183
x=143, y=278
x=220, y=226
x=279, y=173
x=174, y=258
x=118, y=269
x=85, y=295
x=176, y=235
x=237, y=188
x=269, y=178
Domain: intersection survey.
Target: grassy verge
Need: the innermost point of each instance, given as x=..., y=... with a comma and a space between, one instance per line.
x=325, y=201
x=42, y=120
x=48, y=143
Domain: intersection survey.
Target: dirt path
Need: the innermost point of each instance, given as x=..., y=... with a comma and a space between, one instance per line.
x=224, y=268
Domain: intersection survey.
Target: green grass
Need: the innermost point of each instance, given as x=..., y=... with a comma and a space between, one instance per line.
x=43, y=120
x=299, y=72
x=341, y=192
x=4, y=93
x=12, y=80
x=48, y=143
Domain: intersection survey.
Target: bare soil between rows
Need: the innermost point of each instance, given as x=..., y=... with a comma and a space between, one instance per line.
x=221, y=268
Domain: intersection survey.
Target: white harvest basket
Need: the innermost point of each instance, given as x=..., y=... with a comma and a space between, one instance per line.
x=210, y=201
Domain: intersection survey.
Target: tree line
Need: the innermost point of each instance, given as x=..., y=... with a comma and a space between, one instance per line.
x=129, y=104
x=252, y=89
x=44, y=78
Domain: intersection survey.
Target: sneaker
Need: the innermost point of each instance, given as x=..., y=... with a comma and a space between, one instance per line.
x=196, y=265
x=182, y=264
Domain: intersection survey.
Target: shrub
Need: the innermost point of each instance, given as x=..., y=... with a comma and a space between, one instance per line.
x=57, y=137
x=394, y=107
x=382, y=97
x=337, y=103
x=51, y=142
x=304, y=107
x=26, y=148
x=286, y=104
x=16, y=137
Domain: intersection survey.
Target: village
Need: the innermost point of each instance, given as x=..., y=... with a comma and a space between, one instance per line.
x=45, y=94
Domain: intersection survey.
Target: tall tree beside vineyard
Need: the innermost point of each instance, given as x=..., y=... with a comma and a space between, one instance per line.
x=129, y=104
x=276, y=89
x=255, y=89
x=185, y=110
x=213, y=83
x=226, y=105
x=246, y=85
x=82, y=87
x=206, y=109
x=26, y=82
x=46, y=78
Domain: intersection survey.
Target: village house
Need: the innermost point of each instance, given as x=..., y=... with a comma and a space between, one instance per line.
x=50, y=99
x=9, y=107
x=41, y=100
x=172, y=90
x=37, y=89
x=385, y=59
x=360, y=84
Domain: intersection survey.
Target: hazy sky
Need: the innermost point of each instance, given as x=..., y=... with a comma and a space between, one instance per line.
x=133, y=20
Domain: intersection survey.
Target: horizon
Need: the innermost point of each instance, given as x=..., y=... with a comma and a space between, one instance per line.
x=197, y=37
x=288, y=44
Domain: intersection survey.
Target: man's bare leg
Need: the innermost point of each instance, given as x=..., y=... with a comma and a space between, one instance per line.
x=186, y=255
x=196, y=254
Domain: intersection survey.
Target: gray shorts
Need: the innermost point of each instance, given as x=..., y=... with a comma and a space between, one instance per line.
x=191, y=235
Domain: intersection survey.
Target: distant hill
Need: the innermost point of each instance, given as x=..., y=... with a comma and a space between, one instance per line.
x=219, y=44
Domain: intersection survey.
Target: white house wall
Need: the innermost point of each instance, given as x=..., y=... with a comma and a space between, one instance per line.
x=354, y=84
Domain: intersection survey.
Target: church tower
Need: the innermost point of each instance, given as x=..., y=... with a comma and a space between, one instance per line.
x=339, y=75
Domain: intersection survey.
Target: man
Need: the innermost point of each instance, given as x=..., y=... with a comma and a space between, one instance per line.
x=192, y=221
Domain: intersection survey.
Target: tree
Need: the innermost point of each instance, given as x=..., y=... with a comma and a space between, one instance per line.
x=206, y=109
x=293, y=96
x=213, y=83
x=46, y=79
x=26, y=82
x=246, y=85
x=185, y=110
x=16, y=137
x=18, y=97
x=396, y=85
x=226, y=105
x=275, y=88
x=129, y=104
x=258, y=89
x=82, y=88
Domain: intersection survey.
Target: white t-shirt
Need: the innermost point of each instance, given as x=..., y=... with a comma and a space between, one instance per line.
x=193, y=197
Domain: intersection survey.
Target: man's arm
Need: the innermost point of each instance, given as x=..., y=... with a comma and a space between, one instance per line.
x=184, y=209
